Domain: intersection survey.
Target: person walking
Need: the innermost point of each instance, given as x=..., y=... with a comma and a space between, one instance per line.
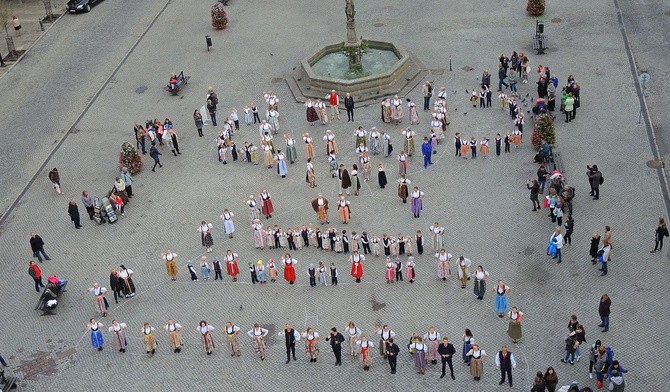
x=534, y=187
x=505, y=362
x=37, y=246
x=446, y=351
x=603, y=311
x=96, y=336
x=661, y=232
x=291, y=336
x=349, y=105
x=154, y=153
x=54, y=177
x=502, y=74
x=595, y=180
x=336, y=340
x=392, y=351
x=35, y=272
x=73, y=211
x=100, y=295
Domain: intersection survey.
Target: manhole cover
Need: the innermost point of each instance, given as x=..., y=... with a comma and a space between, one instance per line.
x=277, y=80
x=378, y=24
x=654, y=164
x=141, y=89
x=556, y=20
x=467, y=68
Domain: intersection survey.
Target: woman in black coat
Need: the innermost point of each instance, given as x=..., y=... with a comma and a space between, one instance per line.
x=595, y=241
x=73, y=211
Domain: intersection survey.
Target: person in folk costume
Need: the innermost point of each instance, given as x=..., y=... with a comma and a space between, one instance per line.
x=325, y=241
x=365, y=346
x=508, y=141
x=257, y=335
x=272, y=100
x=253, y=210
x=465, y=148
x=273, y=120
x=282, y=168
x=386, y=110
x=390, y=270
x=344, y=179
x=232, y=267
x=118, y=331
x=322, y=271
x=267, y=153
x=204, y=268
x=253, y=272
x=191, y=270
x=311, y=273
x=402, y=163
x=458, y=143
x=437, y=232
x=267, y=208
x=381, y=176
x=375, y=141
x=419, y=348
x=477, y=356
x=272, y=270
x=344, y=209
x=259, y=234
x=396, y=109
x=479, y=287
x=228, y=225
x=418, y=239
x=409, y=141
x=150, y=342
x=514, y=326
x=410, y=271
x=376, y=245
x=333, y=165
x=417, y=201
x=387, y=146
x=205, y=230
x=356, y=260
x=206, y=336
x=463, y=265
x=174, y=335
x=310, y=112
x=443, y=260
x=331, y=144
x=385, y=333
x=412, y=115
x=253, y=153
x=231, y=332
x=386, y=242
x=501, y=290
x=498, y=141
x=409, y=246
x=484, y=147
x=338, y=247
x=311, y=343
x=217, y=269
x=320, y=206
x=126, y=280
x=366, y=168
x=354, y=246
x=398, y=270
x=394, y=247
x=261, y=274
x=505, y=362
x=402, y=187
x=100, y=295
x=309, y=145
x=433, y=142
x=321, y=111
x=361, y=151
x=96, y=336
x=289, y=268
x=473, y=147
x=355, y=183
x=170, y=263
x=291, y=153
x=432, y=339
x=248, y=115
x=360, y=137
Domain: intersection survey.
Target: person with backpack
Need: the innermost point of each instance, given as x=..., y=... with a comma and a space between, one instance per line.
x=595, y=180
x=154, y=153
x=661, y=232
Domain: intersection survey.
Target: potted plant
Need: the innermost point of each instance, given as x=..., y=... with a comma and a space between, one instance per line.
x=219, y=16
x=535, y=7
x=543, y=130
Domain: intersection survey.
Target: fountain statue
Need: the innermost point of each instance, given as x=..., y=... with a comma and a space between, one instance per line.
x=353, y=45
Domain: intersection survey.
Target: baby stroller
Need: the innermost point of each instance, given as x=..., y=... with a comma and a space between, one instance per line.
x=98, y=213
x=109, y=210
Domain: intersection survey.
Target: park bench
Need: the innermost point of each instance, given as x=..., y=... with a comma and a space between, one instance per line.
x=540, y=42
x=7, y=382
x=51, y=292
x=181, y=81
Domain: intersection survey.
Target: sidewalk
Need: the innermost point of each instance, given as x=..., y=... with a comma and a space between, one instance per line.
x=30, y=13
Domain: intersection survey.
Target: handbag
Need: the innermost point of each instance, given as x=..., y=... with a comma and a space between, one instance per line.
x=551, y=249
x=546, y=202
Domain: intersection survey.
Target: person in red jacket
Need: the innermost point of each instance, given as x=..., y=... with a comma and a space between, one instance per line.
x=35, y=272
x=334, y=101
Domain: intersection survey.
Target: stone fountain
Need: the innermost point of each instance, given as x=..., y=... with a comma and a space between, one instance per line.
x=366, y=69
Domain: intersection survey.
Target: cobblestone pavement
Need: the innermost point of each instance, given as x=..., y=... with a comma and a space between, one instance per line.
x=483, y=203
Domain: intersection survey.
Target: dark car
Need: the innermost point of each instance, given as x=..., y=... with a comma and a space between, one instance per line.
x=80, y=5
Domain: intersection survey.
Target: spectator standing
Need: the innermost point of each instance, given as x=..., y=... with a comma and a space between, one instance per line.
x=87, y=200
x=37, y=245
x=73, y=211
x=604, y=312
x=128, y=180
x=542, y=177
x=557, y=240
x=595, y=180
x=35, y=272
x=120, y=187
x=569, y=226
x=349, y=105
x=55, y=179
x=427, y=90
x=534, y=187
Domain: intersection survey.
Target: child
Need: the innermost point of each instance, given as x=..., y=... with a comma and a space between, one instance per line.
x=311, y=272
x=484, y=147
x=375, y=245
x=191, y=270
x=273, y=270
x=253, y=272
x=390, y=270
x=473, y=98
x=333, y=274
x=398, y=270
x=410, y=269
x=503, y=100
x=322, y=274
x=465, y=148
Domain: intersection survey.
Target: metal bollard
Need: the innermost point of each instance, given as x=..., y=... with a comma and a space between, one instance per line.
x=208, y=41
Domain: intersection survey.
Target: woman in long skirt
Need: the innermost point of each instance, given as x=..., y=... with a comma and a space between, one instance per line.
x=402, y=188
x=501, y=290
x=396, y=109
x=259, y=234
x=479, y=287
x=170, y=263
x=206, y=336
x=409, y=269
x=205, y=270
x=419, y=348
x=232, y=266
x=417, y=201
x=248, y=116
x=253, y=210
x=366, y=347
x=228, y=225
x=174, y=335
x=355, y=183
x=381, y=176
x=126, y=280
x=291, y=154
x=282, y=167
x=375, y=141
x=309, y=146
x=390, y=270
x=311, y=343
x=409, y=141
x=343, y=210
x=150, y=343
x=437, y=231
x=443, y=260
x=118, y=331
x=386, y=110
x=468, y=341
x=402, y=163
x=205, y=230
x=267, y=206
x=514, y=327
x=409, y=246
x=96, y=335
x=289, y=268
x=310, y=174
x=261, y=274
x=432, y=339
x=353, y=333
x=310, y=112
x=477, y=361
x=273, y=270
x=257, y=335
x=366, y=168
x=412, y=115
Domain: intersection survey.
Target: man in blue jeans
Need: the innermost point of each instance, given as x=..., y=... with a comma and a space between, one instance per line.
x=502, y=75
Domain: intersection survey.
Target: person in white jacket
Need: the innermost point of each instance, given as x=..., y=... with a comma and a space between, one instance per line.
x=557, y=239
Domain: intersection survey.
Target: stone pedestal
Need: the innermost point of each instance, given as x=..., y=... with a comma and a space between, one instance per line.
x=353, y=50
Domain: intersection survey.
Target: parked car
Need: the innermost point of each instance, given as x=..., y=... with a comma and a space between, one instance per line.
x=80, y=5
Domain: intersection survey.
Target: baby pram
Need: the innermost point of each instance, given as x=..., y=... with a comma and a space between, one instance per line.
x=109, y=210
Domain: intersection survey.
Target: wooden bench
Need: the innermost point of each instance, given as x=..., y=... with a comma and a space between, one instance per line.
x=540, y=43
x=51, y=291
x=181, y=81
x=7, y=382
